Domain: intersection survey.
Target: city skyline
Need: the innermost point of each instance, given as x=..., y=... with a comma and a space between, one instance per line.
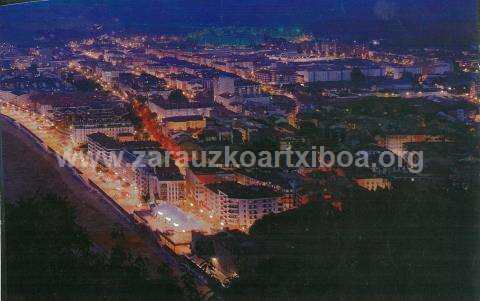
x=414, y=23
x=227, y=150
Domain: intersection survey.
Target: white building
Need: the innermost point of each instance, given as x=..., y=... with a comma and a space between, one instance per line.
x=167, y=185
x=237, y=206
x=80, y=131
x=165, y=109
x=440, y=68
x=397, y=71
x=396, y=143
x=324, y=75
x=225, y=84
x=102, y=148
x=160, y=184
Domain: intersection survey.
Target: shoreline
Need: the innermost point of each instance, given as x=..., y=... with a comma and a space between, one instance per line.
x=87, y=200
x=94, y=215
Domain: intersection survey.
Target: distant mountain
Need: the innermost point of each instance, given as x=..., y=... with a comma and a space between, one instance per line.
x=402, y=21
x=6, y=2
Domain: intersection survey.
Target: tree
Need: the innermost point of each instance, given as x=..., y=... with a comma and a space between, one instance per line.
x=48, y=256
x=145, y=199
x=263, y=143
x=204, y=247
x=117, y=233
x=189, y=287
x=413, y=78
x=177, y=96
x=33, y=69
x=357, y=75
x=5, y=2
x=417, y=239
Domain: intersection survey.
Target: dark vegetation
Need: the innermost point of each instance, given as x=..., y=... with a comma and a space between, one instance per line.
x=5, y=2
x=48, y=256
x=418, y=241
x=177, y=96
x=361, y=121
x=414, y=241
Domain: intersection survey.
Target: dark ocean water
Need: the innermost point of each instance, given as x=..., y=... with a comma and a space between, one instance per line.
x=403, y=22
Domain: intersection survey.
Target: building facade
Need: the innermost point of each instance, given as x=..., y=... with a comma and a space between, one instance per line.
x=236, y=206
x=80, y=131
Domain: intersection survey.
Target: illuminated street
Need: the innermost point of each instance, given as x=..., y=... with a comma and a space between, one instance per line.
x=116, y=187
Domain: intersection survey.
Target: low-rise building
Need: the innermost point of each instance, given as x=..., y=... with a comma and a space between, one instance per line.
x=81, y=130
x=397, y=71
x=184, y=123
x=374, y=183
x=395, y=143
x=165, y=109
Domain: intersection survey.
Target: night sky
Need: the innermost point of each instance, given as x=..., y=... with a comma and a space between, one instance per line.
x=405, y=22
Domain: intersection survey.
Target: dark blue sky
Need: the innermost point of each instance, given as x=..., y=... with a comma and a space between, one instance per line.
x=403, y=21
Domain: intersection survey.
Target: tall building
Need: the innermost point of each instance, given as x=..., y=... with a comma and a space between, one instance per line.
x=236, y=206
x=223, y=84
x=167, y=185
x=475, y=89
x=226, y=84
x=198, y=178
x=286, y=184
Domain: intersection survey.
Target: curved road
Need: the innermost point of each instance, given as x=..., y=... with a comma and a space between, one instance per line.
x=88, y=200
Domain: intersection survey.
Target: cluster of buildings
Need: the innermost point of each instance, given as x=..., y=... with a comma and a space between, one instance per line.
x=80, y=114
x=168, y=109
x=235, y=199
x=319, y=62
x=130, y=158
x=191, y=78
x=230, y=97
x=32, y=70
x=241, y=96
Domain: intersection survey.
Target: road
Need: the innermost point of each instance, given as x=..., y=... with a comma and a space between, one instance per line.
x=96, y=212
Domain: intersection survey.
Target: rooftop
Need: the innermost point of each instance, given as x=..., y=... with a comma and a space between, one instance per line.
x=110, y=143
x=183, y=118
x=141, y=145
x=171, y=173
x=104, y=140
x=235, y=190
x=65, y=99
x=239, y=82
x=207, y=170
x=170, y=105
x=280, y=179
